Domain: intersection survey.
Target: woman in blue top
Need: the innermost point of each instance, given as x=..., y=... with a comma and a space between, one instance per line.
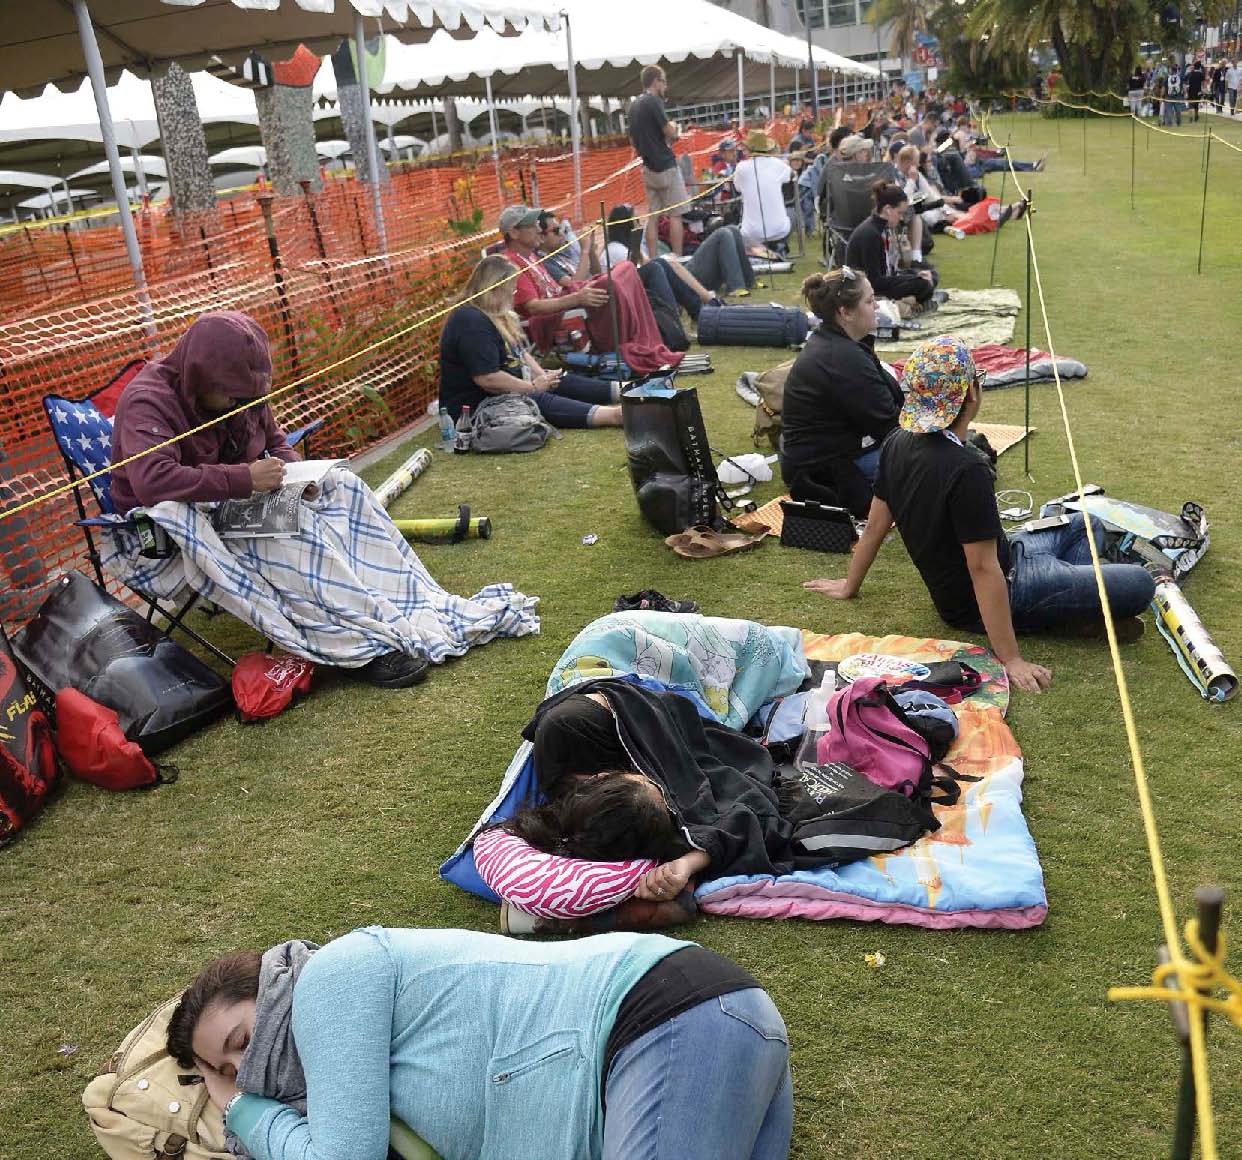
x=618, y=1045
x=483, y=352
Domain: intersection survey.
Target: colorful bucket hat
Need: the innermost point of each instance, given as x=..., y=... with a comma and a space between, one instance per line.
x=936, y=378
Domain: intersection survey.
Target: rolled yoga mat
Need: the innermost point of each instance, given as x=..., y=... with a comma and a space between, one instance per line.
x=1192, y=644
x=437, y=531
x=400, y=480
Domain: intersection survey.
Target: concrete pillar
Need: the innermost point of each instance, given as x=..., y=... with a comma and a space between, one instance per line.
x=182, y=142
x=287, y=126
x=452, y=126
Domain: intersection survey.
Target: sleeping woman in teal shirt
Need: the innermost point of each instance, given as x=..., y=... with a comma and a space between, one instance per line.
x=618, y=1045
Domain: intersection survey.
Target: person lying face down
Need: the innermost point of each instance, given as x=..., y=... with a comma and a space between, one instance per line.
x=219, y=364
x=717, y=783
x=488, y=1047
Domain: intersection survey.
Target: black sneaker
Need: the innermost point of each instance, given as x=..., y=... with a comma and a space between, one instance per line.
x=651, y=600
x=394, y=670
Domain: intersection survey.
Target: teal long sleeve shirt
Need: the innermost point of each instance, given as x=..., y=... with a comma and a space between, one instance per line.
x=488, y=1048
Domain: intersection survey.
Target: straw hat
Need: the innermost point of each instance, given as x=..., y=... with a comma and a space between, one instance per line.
x=757, y=141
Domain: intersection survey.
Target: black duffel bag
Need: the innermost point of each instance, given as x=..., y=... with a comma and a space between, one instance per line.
x=670, y=462
x=752, y=326
x=83, y=638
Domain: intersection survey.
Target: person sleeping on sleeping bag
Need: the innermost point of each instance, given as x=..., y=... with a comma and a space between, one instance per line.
x=628, y=773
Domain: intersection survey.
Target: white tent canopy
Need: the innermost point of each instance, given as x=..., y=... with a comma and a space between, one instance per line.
x=11, y=177
x=240, y=157
x=151, y=166
x=54, y=197
x=696, y=41
x=39, y=39
x=72, y=116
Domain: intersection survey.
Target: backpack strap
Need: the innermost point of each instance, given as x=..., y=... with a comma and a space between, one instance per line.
x=463, y=523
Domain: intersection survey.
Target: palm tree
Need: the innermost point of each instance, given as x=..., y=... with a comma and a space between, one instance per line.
x=905, y=18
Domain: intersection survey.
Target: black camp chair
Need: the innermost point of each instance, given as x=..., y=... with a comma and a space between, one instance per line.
x=846, y=201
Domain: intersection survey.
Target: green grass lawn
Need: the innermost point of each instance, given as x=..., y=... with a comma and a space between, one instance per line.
x=965, y=1044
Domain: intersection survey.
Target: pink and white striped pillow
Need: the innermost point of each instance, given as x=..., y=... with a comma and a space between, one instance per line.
x=550, y=885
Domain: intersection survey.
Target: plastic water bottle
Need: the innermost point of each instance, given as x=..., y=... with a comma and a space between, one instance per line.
x=463, y=435
x=447, y=430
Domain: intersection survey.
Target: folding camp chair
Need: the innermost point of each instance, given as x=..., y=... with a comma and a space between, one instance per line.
x=846, y=197
x=83, y=433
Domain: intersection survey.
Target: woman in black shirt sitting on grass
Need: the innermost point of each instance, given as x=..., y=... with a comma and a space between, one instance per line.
x=483, y=352
x=872, y=251
x=839, y=401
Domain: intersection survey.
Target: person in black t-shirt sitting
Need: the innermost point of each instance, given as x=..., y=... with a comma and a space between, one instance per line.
x=872, y=250
x=939, y=494
x=482, y=353
x=839, y=402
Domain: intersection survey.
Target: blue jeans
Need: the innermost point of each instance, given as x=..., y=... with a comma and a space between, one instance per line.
x=1051, y=581
x=869, y=463
x=711, y=1084
x=575, y=397
x=720, y=262
x=999, y=165
x=669, y=288
x=1170, y=110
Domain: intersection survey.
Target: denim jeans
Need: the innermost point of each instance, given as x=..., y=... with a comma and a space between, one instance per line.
x=1051, y=581
x=721, y=264
x=869, y=463
x=669, y=288
x=1171, y=109
x=712, y=1083
x=575, y=397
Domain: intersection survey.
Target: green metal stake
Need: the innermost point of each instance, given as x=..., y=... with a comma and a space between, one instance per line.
x=996, y=235
x=1203, y=212
x=1084, y=144
x=1026, y=442
x=1132, y=131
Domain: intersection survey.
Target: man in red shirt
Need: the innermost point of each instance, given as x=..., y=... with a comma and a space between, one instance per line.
x=538, y=299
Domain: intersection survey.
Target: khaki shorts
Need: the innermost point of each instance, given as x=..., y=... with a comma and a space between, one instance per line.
x=665, y=191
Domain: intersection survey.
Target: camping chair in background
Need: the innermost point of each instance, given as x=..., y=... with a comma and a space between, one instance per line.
x=83, y=433
x=847, y=202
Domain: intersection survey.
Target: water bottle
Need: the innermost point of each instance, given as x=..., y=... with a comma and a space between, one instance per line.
x=463, y=435
x=447, y=430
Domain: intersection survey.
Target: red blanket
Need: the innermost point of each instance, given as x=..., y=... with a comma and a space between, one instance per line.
x=638, y=336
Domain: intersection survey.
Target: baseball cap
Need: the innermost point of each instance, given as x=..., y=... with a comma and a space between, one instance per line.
x=935, y=378
x=513, y=217
x=852, y=145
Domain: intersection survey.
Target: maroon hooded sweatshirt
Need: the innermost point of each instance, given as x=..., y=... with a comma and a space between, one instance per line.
x=226, y=351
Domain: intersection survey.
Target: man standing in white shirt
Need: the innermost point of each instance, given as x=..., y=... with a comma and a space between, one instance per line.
x=758, y=181
x=1233, y=77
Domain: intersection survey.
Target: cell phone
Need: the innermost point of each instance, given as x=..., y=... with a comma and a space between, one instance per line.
x=1046, y=524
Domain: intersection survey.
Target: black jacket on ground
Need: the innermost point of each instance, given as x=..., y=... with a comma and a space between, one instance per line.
x=718, y=782
x=836, y=394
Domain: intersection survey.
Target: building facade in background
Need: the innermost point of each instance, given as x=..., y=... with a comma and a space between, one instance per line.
x=841, y=26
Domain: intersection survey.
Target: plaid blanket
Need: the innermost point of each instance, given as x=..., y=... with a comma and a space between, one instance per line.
x=345, y=590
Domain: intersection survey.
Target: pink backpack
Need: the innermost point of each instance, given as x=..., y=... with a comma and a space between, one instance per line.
x=869, y=732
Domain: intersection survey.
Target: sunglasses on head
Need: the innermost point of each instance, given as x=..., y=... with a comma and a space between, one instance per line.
x=848, y=273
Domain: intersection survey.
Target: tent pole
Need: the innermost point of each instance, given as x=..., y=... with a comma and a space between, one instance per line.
x=94, y=69
x=575, y=128
x=364, y=90
x=491, y=120
x=797, y=90
x=772, y=89
x=813, y=84
x=741, y=93
x=435, y=131
x=139, y=172
x=68, y=196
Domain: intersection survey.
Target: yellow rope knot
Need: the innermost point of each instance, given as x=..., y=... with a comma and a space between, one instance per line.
x=1197, y=977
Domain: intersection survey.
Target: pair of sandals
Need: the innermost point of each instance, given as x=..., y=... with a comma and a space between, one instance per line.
x=702, y=542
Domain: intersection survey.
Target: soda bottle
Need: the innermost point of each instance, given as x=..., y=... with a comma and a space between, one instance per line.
x=464, y=434
x=447, y=430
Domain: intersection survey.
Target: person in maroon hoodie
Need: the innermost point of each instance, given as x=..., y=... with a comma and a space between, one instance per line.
x=345, y=590
x=221, y=362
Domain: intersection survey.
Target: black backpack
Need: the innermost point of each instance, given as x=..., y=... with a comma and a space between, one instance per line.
x=672, y=333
